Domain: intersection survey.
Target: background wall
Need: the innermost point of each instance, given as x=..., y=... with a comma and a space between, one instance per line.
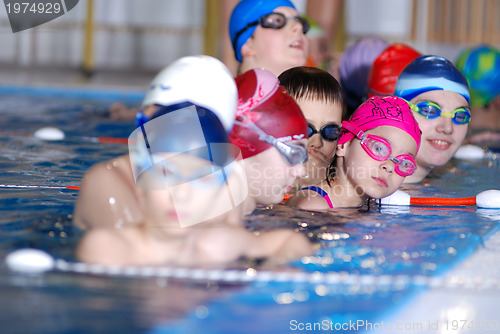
x=144, y=34
x=148, y=34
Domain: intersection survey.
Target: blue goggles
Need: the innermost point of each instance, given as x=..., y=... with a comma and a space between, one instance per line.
x=431, y=110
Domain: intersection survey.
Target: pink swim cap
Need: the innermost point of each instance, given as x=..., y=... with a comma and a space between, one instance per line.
x=379, y=111
x=265, y=103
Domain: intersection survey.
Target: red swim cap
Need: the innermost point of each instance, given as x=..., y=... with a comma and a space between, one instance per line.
x=387, y=67
x=265, y=103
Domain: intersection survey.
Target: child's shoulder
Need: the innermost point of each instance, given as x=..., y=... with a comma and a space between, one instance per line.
x=120, y=165
x=310, y=198
x=107, y=175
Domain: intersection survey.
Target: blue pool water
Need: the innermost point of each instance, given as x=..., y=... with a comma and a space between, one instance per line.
x=381, y=259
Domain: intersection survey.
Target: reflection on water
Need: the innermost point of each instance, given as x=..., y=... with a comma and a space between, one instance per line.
x=369, y=241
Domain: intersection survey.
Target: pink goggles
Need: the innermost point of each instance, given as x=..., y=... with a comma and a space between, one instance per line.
x=379, y=149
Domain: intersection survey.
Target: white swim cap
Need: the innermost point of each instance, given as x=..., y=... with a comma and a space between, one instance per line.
x=202, y=80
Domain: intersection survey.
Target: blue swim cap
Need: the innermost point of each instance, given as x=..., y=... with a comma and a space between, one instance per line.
x=481, y=67
x=428, y=73
x=248, y=11
x=183, y=128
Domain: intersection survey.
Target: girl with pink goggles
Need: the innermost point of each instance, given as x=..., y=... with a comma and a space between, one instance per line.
x=379, y=149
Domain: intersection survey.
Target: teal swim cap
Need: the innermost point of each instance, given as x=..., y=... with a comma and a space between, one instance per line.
x=481, y=67
x=249, y=11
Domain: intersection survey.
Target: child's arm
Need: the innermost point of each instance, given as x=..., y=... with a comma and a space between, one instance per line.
x=226, y=244
x=281, y=244
x=103, y=246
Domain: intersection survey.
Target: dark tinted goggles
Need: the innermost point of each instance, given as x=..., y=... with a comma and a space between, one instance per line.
x=273, y=21
x=329, y=132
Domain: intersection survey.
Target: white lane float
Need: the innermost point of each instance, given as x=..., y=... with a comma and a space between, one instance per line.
x=55, y=134
x=49, y=134
x=29, y=260
x=472, y=152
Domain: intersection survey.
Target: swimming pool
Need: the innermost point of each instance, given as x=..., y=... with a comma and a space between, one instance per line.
x=414, y=267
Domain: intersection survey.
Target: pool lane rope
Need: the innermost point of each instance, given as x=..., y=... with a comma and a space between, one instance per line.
x=488, y=199
x=55, y=134
x=19, y=186
x=34, y=261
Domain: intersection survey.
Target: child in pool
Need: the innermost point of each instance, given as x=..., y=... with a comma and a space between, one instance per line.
x=481, y=66
x=375, y=153
x=439, y=96
x=268, y=34
x=271, y=132
x=189, y=188
x=108, y=194
x=319, y=96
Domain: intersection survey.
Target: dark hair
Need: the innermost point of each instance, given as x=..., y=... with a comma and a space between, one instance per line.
x=304, y=82
x=331, y=170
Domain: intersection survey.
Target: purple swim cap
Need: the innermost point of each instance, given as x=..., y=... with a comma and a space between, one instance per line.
x=249, y=11
x=383, y=111
x=355, y=65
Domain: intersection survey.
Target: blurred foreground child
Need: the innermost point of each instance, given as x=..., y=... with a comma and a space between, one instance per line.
x=189, y=187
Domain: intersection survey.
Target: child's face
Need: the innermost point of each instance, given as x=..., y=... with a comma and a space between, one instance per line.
x=197, y=195
x=376, y=179
x=279, y=49
x=270, y=176
x=441, y=138
x=320, y=150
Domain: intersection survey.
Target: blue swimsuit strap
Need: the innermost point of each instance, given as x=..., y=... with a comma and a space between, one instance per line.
x=320, y=191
